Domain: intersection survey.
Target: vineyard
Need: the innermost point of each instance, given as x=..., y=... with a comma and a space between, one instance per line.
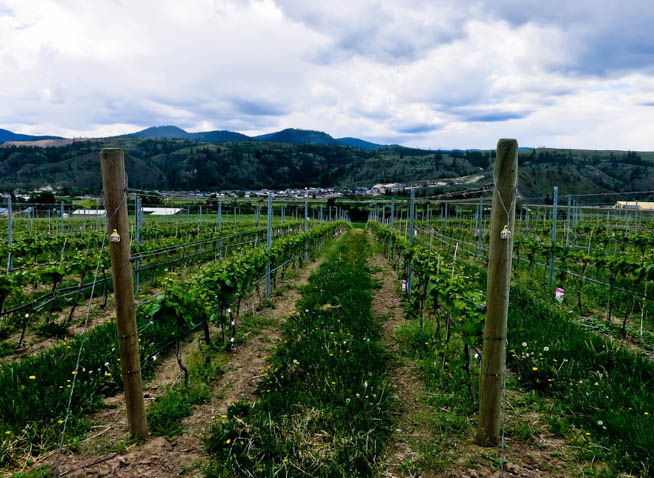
x=288, y=341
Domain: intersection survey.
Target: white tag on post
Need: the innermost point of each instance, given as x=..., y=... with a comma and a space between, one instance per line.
x=114, y=236
x=505, y=233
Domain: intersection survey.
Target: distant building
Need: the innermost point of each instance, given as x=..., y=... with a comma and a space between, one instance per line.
x=637, y=205
x=162, y=211
x=89, y=213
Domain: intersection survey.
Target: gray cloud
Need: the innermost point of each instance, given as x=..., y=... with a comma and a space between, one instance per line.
x=494, y=116
x=418, y=128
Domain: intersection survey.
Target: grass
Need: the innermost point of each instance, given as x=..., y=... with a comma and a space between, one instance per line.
x=323, y=405
x=600, y=388
x=34, y=390
x=596, y=394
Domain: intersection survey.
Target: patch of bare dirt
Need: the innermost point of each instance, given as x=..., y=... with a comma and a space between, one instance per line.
x=182, y=455
x=407, y=386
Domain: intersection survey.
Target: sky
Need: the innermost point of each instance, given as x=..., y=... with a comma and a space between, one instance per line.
x=424, y=73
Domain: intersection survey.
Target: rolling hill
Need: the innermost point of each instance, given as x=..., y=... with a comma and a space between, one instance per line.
x=184, y=164
x=6, y=135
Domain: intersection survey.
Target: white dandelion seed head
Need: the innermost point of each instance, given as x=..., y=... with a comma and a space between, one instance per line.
x=229, y=310
x=600, y=422
x=524, y=344
x=546, y=349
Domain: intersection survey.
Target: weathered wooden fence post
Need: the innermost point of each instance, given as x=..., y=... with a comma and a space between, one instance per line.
x=115, y=198
x=493, y=362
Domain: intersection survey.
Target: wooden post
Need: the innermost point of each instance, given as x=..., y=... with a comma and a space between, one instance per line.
x=493, y=364
x=115, y=199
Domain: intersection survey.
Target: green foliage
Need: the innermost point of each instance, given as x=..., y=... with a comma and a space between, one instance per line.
x=323, y=405
x=602, y=389
x=186, y=164
x=34, y=391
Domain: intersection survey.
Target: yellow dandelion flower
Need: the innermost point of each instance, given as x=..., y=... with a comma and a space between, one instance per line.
x=333, y=383
x=107, y=374
x=60, y=422
x=347, y=351
x=646, y=413
x=228, y=441
x=596, y=384
x=223, y=416
x=8, y=432
x=587, y=434
x=32, y=377
x=285, y=460
x=74, y=372
x=534, y=368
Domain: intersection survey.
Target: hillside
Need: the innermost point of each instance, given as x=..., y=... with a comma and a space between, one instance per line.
x=173, y=132
x=298, y=136
x=181, y=164
x=6, y=135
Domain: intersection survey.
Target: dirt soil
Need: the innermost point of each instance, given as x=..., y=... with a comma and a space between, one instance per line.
x=109, y=451
x=543, y=455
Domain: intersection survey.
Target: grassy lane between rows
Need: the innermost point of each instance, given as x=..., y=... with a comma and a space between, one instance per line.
x=323, y=407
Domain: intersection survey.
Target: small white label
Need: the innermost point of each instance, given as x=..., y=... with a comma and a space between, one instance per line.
x=505, y=234
x=114, y=236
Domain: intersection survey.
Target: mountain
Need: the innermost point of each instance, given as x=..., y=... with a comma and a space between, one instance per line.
x=289, y=136
x=6, y=135
x=159, y=132
x=298, y=136
x=358, y=143
x=219, y=136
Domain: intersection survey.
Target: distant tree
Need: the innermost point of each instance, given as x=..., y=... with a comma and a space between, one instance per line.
x=44, y=197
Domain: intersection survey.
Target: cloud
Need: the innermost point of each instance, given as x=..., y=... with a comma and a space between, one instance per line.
x=494, y=116
x=418, y=128
x=422, y=73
